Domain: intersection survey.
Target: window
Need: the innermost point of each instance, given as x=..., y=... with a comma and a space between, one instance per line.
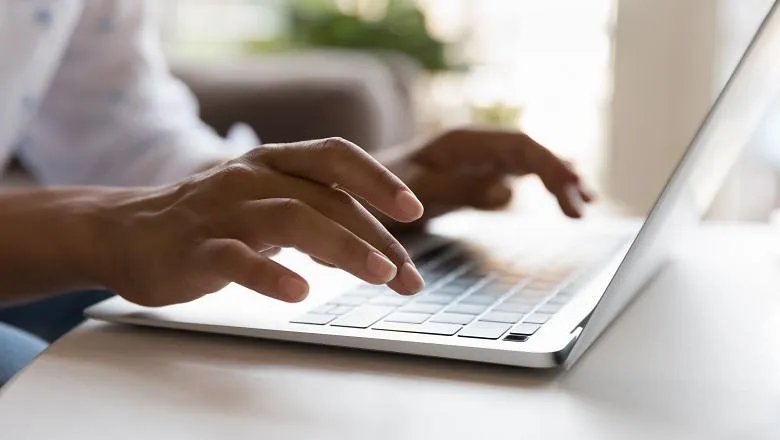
x=548, y=61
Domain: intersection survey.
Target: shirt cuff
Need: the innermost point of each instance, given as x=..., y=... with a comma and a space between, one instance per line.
x=207, y=150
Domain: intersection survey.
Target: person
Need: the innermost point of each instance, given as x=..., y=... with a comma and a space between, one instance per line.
x=142, y=199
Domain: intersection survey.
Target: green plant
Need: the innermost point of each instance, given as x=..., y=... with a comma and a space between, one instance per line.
x=402, y=28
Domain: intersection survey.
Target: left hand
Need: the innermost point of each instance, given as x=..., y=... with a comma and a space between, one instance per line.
x=470, y=167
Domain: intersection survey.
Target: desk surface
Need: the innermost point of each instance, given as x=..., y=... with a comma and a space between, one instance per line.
x=696, y=356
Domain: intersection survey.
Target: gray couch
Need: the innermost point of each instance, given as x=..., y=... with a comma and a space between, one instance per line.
x=364, y=98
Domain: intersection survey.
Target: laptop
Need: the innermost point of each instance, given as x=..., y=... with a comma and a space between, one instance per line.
x=499, y=290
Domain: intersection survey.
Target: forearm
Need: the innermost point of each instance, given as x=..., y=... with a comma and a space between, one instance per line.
x=47, y=241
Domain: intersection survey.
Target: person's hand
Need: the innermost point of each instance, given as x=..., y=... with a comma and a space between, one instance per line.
x=470, y=167
x=171, y=245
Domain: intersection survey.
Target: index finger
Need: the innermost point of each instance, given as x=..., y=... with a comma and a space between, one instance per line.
x=335, y=162
x=500, y=151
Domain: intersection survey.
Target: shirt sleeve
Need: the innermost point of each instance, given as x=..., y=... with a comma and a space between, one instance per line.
x=114, y=115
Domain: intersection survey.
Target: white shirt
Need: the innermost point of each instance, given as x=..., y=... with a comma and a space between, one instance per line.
x=86, y=96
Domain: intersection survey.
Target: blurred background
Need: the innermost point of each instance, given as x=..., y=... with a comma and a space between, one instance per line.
x=616, y=86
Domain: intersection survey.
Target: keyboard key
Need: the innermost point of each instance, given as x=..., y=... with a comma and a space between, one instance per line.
x=450, y=265
x=448, y=289
x=543, y=285
x=494, y=296
x=479, y=271
x=537, y=318
x=568, y=292
x=525, y=329
x=416, y=307
x=515, y=307
x=493, y=290
x=450, y=293
x=465, y=282
x=549, y=308
x=468, y=309
x=514, y=276
x=410, y=318
x=484, y=330
x=314, y=318
x=349, y=300
x=369, y=290
x=506, y=287
x=559, y=299
x=534, y=293
x=363, y=317
x=453, y=318
x=434, y=298
x=518, y=297
x=384, y=293
x=324, y=308
x=431, y=277
x=395, y=300
x=340, y=310
x=509, y=318
x=548, y=278
x=429, y=328
x=478, y=299
x=474, y=275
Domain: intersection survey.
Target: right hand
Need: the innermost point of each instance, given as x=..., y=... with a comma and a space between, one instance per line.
x=175, y=244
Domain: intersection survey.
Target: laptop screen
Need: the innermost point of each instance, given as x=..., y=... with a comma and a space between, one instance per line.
x=733, y=119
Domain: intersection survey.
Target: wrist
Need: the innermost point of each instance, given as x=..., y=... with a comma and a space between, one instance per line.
x=96, y=233
x=84, y=237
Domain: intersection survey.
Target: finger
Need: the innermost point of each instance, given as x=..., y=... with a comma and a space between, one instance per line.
x=336, y=162
x=572, y=202
x=501, y=151
x=292, y=223
x=454, y=190
x=585, y=194
x=345, y=210
x=233, y=261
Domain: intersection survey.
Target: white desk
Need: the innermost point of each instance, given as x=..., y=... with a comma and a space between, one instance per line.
x=697, y=356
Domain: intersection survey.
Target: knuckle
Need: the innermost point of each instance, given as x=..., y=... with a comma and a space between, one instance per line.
x=236, y=174
x=291, y=208
x=261, y=155
x=255, y=153
x=343, y=199
x=349, y=247
x=393, y=250
x=290, y=214
x=455, y=134
x=338, y=148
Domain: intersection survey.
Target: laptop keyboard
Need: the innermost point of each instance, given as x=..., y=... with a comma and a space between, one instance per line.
x=469, y=296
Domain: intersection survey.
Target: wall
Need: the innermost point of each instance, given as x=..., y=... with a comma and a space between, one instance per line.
x=671, y=59
x=665, y=51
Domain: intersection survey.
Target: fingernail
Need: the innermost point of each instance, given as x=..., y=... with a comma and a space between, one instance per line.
x=575, y=198
x=293, y=288
x=378, y=265
x=411, y=279
x=587, y=194
x=409, y=204
x=498, y=194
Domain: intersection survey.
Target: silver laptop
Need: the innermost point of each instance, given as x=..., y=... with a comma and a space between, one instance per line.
x=500, y=291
